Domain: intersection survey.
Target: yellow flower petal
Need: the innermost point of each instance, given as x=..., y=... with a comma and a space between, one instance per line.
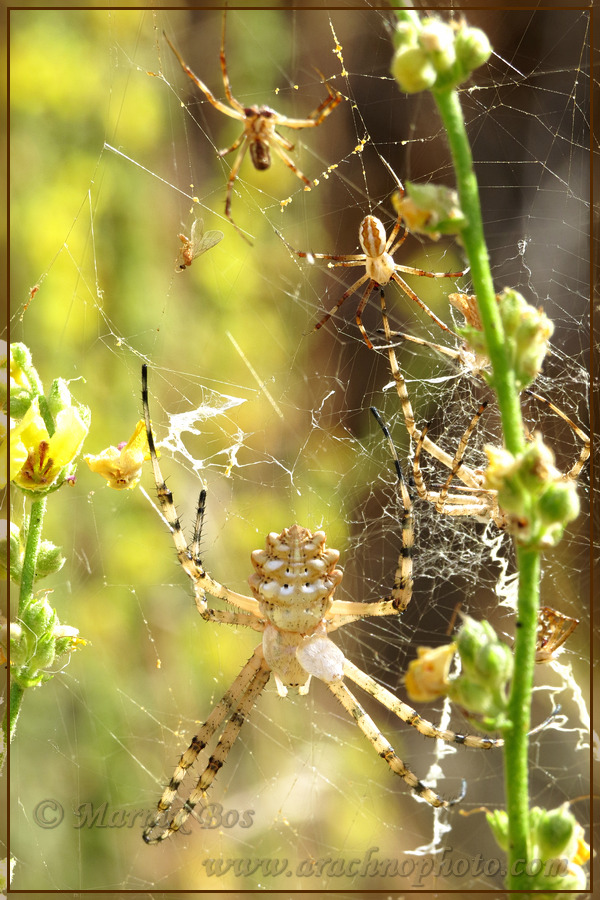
x=122, y=466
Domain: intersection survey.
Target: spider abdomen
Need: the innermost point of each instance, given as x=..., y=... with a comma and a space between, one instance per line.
x=295, y=578
x=379, y=264
x=260, y=154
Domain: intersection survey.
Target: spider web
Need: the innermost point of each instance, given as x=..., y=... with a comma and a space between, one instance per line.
x=113, y=144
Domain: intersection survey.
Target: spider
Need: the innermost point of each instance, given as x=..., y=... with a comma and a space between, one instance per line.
x=377, y=257
x=553, y=630
x=260, y=133
x=475, y=500
x=293, y=608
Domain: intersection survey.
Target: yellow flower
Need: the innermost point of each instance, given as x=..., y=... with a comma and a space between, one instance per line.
x=427, y=675
x=122, y=466
x=37, y=459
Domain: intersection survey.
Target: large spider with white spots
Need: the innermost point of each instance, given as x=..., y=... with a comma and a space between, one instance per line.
x=260, y=134
x=292, y=606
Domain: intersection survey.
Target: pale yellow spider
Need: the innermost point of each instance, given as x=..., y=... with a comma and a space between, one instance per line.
x=293, y=608
x=377, y=257
x=473, y=499
x=260, y=133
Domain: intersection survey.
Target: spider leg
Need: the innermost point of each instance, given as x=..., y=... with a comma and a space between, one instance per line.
x=576, y=468
x=382, y=745
x=189, y=559
x=439, y=348
x=276, y=145
x=237, y=113
x=359, y=310
x=233, y=147
x=458, y=456
x=464, y=473
x=411, y=717
x=317, y=115
x=408, y=270
x=354, y=259
x=235, y=103
x=410, y=293
x=234, y=706
x=230, y=181
x=342, y=612
x=390, y=241
x=345, y=296
x=483, y=504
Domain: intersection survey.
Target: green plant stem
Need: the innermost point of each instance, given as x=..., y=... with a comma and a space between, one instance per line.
x=516, y=751
x=32, y=547
x=473, y=238
x=516, y=742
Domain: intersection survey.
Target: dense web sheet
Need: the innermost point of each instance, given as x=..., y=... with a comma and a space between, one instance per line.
x=115, y=155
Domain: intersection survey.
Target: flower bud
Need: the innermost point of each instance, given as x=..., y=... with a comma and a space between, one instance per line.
x=555, y=832
x=487, y=666
x=412, y=70
x=25, y=384
x=431, y=209
x=436, y=38
x=49, y=560
x=473, y=48
x=497, y=819
x=404, y=35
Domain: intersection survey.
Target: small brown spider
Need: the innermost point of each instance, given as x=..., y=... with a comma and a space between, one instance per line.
x=260, y=124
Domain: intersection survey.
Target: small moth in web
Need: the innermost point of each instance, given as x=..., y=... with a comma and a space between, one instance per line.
x=198, y=243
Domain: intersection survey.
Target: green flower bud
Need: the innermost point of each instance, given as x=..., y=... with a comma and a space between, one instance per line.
x=25, y=383
x=472, y=47
x=431, y=209
x=487, y=666
x=472, y=638
x=527, y=332
x=413, y=70
x=495, y=663
x=555, y=832
x=59, y=397
x=49, y=561
x=470, y=695
x=405, y=35
x=497, y=819
x=559, y=504
x=437, y=40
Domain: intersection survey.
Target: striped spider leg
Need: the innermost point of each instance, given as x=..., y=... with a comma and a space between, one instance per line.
x=260, y=134
x=380, y=269
x=473, y=500
x=293, y=607
x=476, y=501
